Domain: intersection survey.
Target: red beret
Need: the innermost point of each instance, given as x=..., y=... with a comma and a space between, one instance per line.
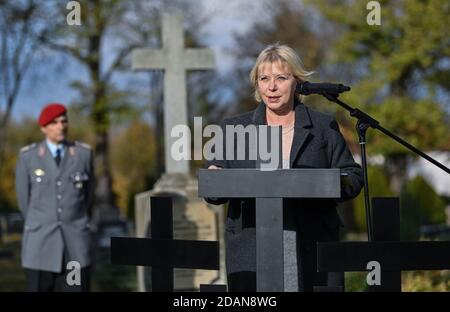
x=50, y=112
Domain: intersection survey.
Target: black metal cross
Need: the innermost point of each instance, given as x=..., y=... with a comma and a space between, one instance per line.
x=161, y=251
x=269, y=188
x=392, y=254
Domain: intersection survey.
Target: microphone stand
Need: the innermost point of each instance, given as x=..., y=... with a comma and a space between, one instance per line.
x=365, y=121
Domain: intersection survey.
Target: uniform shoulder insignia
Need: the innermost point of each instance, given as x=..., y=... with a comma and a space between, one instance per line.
x=87, y=146
x=28, y=147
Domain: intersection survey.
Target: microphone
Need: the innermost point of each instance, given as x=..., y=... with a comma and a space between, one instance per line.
x=307, y=88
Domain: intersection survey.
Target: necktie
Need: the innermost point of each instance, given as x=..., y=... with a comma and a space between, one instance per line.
x=58, y=156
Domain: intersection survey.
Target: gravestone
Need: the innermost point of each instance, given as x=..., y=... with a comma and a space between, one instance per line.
x=14, y=223
x=2, y=226
x=435, y=231
x=193, y=218
x=4, y=253
x=106, y=230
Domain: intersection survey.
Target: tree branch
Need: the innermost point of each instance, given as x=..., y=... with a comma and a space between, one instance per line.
x=118, y=61
x=64, y=48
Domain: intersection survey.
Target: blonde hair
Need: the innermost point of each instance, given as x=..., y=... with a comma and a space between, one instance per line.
x=279, y=53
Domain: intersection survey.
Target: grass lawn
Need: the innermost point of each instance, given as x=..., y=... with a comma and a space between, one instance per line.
x=104, y=277
x=107, y=277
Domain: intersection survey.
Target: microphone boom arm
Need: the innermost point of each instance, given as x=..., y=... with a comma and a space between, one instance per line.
x=365, y=121
x=373, y=123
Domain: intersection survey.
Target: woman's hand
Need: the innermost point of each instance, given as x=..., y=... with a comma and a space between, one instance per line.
x=213, y=200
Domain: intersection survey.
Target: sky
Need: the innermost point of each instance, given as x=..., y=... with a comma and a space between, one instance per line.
x=438, y=178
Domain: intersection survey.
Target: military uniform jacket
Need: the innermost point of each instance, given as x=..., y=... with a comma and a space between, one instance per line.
x=55, y=203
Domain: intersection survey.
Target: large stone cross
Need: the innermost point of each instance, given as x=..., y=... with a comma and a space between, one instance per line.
x=175, y=60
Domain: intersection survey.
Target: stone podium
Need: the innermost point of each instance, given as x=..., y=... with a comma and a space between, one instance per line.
x=269, y=188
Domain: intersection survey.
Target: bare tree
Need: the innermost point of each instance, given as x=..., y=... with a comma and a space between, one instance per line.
x=18, y=46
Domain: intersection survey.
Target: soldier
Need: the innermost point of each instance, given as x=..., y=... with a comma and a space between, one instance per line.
x=54, y=185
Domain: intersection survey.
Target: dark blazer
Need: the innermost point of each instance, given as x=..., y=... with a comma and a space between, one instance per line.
x=317, y=143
